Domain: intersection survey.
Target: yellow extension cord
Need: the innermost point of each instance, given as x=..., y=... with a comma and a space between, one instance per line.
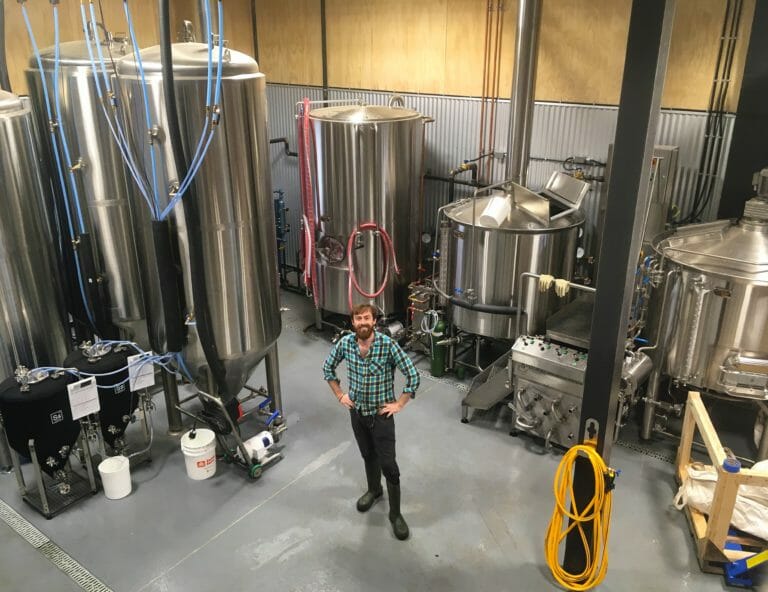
x=598, y=511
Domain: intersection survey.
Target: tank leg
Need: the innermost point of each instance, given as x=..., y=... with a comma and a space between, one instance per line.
x=171, y=392
x=6, y=464
x=318, y=319
x=651, y=397
x=273, y=381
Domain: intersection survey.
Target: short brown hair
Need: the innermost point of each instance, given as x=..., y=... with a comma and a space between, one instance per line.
x=359, y=309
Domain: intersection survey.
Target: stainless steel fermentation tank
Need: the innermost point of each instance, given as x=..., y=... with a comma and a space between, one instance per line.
x=32, y=317
x=234, y=200
x=714, y=311
x=369, y=164
x=104, y=189
x=487, y=259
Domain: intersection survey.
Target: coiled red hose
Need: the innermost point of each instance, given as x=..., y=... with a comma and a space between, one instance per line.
x=389, y=254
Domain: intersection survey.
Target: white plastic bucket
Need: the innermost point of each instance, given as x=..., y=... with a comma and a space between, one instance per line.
x=115, y=474
x=199, y=448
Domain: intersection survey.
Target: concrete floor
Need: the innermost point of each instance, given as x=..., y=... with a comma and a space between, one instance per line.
x=477, y=501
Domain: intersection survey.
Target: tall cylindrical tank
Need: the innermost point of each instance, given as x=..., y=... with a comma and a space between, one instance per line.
x=105, y=191
x=487, y=258
x=369, y=163
x=234, y=200
x=33, y=325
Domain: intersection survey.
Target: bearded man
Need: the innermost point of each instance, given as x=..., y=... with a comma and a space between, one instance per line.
x=371, y=361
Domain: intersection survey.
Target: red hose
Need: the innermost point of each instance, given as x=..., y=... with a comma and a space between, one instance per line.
x=307, y=200
x=389, y=253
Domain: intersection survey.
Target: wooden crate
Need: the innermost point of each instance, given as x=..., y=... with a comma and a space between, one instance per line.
x=710, y=534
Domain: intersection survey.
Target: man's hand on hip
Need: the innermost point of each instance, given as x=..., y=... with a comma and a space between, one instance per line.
x=346, y=401
x=390, y=409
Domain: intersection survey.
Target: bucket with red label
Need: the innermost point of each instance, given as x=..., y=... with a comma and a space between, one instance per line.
x=199, y=448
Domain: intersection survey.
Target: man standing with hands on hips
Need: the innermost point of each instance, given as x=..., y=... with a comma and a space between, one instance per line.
x=371, y=361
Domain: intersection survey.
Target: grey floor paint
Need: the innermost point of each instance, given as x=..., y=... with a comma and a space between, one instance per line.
x=478, y=503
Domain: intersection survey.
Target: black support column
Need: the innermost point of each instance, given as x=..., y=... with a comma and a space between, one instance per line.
x=650, y=29
x=748, y=146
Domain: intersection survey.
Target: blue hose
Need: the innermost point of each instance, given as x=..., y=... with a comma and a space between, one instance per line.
x=57, y=156
x=147, y=117
x=211, y=122
x=118, y=134
x=57, y=103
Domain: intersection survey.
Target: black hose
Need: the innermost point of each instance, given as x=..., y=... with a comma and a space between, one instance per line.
x=191, y=211
x=5, y=80
x=170, y=293
x=489, y=308
x=284, y=142
x=96, y=294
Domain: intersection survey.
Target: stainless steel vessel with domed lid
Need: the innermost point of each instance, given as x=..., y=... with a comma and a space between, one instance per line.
x=718, y=301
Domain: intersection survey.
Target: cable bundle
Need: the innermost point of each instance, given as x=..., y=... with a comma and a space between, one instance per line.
x=597, y=512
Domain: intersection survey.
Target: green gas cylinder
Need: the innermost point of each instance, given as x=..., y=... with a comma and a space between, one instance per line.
x=437, y=358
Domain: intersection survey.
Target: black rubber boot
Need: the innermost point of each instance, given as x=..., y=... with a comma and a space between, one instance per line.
x=399, y=526
x=373, y=475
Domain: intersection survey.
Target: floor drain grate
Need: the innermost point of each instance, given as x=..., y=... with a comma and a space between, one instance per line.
x=55, y=554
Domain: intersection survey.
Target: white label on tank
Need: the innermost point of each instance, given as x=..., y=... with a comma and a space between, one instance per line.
x=83, y=397
x=141, y=371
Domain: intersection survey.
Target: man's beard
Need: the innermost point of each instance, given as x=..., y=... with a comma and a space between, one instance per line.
x=364, y=331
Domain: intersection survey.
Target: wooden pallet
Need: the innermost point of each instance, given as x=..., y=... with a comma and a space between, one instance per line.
x=711, y=534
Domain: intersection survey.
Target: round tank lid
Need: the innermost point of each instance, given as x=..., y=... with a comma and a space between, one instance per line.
x=190, y=60
x=9, y=102
x=518, y=218
x=75, y=53
x=723, y=248
x=363, y=114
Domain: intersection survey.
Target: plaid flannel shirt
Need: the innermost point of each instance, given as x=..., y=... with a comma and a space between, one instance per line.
x=371, y=378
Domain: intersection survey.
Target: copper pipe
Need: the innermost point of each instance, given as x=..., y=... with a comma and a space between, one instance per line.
x=495, y=89
x=481, y=145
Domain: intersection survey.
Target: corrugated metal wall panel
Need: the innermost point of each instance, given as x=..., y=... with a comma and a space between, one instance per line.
x=281, y=101
x=559, y=131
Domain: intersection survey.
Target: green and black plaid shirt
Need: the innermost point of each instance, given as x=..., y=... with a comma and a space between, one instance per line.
x=371, y=378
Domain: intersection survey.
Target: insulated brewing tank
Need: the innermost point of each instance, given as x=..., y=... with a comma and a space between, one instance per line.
x=717, y=301
x=105, y=189
x=369, y=164
x=35, y=406
x=233, y=197
x=109, y=363
x=487, y=261
x=33, y=325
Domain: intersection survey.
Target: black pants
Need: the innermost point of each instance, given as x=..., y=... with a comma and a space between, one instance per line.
x=375, y=435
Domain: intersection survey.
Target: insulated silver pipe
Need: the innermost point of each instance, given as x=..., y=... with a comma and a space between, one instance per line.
x=523, y=83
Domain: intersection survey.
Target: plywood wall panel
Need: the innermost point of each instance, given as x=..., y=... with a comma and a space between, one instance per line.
x=19, y=48
x=290, y=41
x=581, y=50
x=431, y=46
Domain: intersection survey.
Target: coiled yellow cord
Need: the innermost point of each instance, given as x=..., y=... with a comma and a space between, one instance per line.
x=597, y=511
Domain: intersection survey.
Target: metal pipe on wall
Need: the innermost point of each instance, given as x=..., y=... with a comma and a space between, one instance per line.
x=523, y=86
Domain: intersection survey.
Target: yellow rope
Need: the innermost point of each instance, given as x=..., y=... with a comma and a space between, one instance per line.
x=597, y=511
